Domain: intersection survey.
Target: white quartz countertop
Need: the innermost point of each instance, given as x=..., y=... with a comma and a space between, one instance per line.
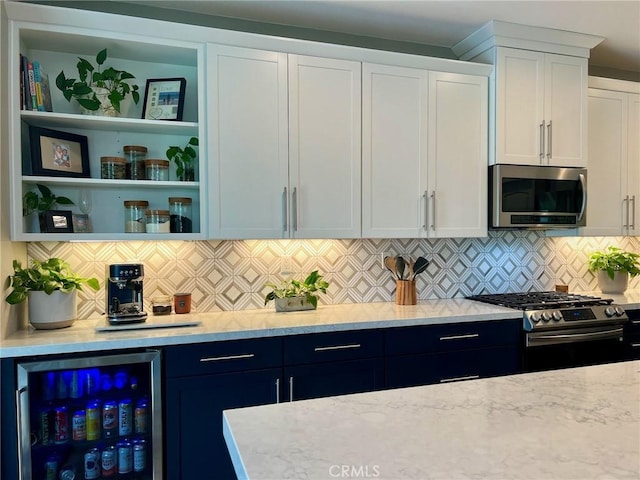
x=579, y=423
x=217, y=326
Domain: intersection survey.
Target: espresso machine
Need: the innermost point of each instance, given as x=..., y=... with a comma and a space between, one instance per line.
x=124, y=293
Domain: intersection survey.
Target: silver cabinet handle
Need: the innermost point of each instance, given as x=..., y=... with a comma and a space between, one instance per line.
x=426, y=211
x=635, y=345
x=337, y=347
x=457, y=379
x=227, y=357
x=433, y=210
x=291, y=389
x=24, y=440
x=460, y=337
x=549, y=144
x=626, y=203
x=583, y=183
x=632, y=225
x=277, y=390
x=542, y=142
x=294, y=208
x=284, y=212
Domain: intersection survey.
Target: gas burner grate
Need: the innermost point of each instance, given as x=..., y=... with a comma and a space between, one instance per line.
x=540, y=300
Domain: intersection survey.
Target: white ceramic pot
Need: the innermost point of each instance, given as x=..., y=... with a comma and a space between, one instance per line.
x=617, y=285
x=106, y=108
x=293, y=304
x=47, y=312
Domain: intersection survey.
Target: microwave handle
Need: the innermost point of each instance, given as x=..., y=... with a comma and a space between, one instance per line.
x=583, y=182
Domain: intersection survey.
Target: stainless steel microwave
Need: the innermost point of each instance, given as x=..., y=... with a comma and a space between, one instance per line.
x=537, y=197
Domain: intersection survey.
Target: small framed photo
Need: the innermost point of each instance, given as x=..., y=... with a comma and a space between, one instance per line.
x=81, y=223
x=164, y=99
x=56, y=221
x=58, y=154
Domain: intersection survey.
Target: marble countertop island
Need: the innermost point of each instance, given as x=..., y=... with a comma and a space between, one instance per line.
x=579, y=423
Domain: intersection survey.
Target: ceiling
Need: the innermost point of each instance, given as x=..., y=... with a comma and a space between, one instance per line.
x=441, y=23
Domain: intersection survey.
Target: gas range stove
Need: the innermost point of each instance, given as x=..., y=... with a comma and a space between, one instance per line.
x=558, y=310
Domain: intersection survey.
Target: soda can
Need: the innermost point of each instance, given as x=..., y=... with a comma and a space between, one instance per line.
x=92, y=464
x=108, y=461
x=79, y=426
x=60, y=425
x=48, y=386
x=125, y=457
x=125, y=420
x=51, y=468
x=44, y=419
x=140, y=416
x=139, y=455
x=93, y=420
x=75, y=384
x=62, y=385
x=67, y=473
x=110, y=419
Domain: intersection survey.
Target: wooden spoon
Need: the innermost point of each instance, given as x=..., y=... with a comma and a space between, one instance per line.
x=390, y=263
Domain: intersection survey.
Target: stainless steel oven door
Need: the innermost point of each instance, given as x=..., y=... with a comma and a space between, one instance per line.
x=535, y=339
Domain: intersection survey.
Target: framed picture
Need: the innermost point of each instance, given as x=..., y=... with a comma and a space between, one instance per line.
x=81, y=223
x=164, y=99
x=56, y=221
x=58, y=154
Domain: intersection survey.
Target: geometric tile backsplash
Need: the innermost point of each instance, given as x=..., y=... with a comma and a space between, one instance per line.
x=230, y=274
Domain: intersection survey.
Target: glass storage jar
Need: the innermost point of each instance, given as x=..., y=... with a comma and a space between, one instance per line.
x=161, y=304
x=135, y=155
x=134, y=221
x=157, y=169
x=180, y=211
x=158, y=221
x=113, y=168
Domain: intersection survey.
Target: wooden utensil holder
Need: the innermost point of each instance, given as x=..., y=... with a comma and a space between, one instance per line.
x=406, y=292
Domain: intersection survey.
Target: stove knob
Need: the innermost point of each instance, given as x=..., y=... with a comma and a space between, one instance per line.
x=557, y=316
x=609, y=311
x=546, y=316
x=619, y=311
x=534, y=317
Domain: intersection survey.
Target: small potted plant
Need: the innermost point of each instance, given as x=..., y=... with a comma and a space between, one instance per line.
x=34, y=202
x=51, y=288
x=184, y=159
x=292, y=295
x=613, y=268
x=98, y=90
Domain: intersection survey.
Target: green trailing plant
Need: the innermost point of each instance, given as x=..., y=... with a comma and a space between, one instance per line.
x=90, y=77
x=309, y=288
x=43, y=201
x=184, y=158
x=47, y=276
x=614, y=260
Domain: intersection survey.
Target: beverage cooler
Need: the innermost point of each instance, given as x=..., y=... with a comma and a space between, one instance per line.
x=90, y=418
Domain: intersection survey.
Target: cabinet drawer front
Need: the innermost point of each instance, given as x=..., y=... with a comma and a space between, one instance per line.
x=335, y=346
x=220, y=357
x=456, y=336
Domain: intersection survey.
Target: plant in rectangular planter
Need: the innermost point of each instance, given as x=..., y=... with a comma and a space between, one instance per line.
x=293, y=295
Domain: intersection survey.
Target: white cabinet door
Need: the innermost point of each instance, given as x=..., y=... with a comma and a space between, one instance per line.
x=519, y=106
x=457, y=155
x=565, y=110
x=324, y=147
x=394, y=151
x=633, y=163
x=606, y=178
x=248, y=134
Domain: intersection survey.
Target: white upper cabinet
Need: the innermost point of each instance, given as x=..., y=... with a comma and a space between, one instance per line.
x=424, y=153
x=614, y=164
x=540, y=108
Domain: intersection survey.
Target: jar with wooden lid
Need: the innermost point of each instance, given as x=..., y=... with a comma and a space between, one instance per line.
x=156, y=169
x=134, y=216
x=135, y=155
x=180, y=211
x=113, y=168
x=158, y=221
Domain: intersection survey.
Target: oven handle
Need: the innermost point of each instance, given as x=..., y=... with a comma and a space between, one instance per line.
x=542, y=339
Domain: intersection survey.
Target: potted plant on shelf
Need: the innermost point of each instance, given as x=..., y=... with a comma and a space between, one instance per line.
x=51, y=288
x=184, y=159
x=34, y=202
x=292, y=295
x=613, y=268
x=98, y=91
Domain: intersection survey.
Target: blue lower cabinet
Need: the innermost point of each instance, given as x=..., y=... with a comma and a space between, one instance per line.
x=632, y=335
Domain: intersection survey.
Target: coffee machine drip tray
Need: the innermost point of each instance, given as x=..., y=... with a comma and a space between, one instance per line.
x=125, y=317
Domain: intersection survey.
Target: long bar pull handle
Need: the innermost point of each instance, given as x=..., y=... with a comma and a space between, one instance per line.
x=457, y=379
x=294, y=208
x=626, y=203
x=284, y=212
x=460, y=337
x=227, y=357
x=583, y=183
x=433, y=210
x=337, y=347
x=542, y=142
x=426, y=211
x=24, y=440
x=549, y=140
x=277, y=390
x=291, y=389
x=632, y=225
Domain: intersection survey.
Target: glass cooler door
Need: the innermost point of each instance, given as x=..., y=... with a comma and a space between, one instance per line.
x=90, y=418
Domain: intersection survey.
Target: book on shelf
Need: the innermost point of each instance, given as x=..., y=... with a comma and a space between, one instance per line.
x=35, y=94
x=32, y=86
